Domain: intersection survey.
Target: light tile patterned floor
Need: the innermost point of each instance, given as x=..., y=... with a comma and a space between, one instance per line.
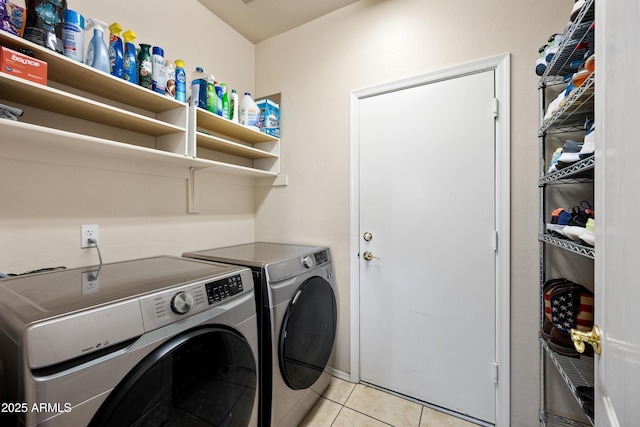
x=355, y=405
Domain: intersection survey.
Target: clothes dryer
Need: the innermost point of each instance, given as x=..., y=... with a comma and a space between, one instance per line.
x=296, y=299
x=159, y=341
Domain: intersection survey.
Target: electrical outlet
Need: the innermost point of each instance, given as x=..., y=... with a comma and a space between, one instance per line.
x=90, y=282
x=88, y=232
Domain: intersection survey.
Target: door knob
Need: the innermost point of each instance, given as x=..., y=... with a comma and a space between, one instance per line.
x=592, y=337
x=367, y=236
x=368, y=256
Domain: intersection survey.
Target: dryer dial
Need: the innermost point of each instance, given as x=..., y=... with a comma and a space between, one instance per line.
x=308, y=262
x=182, y=302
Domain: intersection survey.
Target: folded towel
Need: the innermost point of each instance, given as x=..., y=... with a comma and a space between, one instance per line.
x=11, y=113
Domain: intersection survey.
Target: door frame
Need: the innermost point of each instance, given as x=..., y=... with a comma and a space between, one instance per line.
x=501, y=66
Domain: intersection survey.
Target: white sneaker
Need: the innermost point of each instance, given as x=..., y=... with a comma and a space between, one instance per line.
x=589, y=146
x=574, y=232
x=589, y=235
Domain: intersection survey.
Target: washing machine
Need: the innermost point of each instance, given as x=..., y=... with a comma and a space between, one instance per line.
x=161, y=341
x=297, y=320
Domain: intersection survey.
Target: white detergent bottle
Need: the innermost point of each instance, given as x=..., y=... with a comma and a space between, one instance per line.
x=249, y=112
x=98, y=52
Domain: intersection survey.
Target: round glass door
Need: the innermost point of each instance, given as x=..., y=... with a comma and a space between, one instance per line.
x=307, y=333
x=204, y=377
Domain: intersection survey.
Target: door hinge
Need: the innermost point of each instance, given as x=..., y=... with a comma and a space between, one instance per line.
x=495, y=372
x=495, y=108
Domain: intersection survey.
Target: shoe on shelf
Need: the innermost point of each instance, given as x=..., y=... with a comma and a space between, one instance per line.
x=577, y=224
x=570, y=154
x=589, y=145
x=589, y=234
x=548, y=287
x=553, y=107
x=571, y=308
x=559, y=220
x=555, y=40
x=576, y=9
x=541, y=62
x=554, y=160
x=590, y=63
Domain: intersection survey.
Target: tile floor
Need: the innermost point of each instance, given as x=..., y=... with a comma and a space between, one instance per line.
x=345, y=404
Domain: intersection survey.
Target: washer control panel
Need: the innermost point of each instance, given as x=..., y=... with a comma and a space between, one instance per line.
x=222, y=289
x=163, y=308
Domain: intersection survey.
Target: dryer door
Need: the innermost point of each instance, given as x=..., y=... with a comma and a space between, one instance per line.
x=307, y=333
x=204, y=377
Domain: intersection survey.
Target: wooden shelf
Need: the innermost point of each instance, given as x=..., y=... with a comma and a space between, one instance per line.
x=224, y=146
x=220, y=125
x=36, y=95
x=66, y=71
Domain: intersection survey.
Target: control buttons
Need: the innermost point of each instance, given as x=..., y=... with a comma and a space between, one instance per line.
x=308, y=262
x=182, y=302
x=222, y=289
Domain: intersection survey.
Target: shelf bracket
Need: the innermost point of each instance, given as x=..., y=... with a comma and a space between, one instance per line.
x=193, y=189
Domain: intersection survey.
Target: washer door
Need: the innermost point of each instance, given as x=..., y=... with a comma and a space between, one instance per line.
x=204, y=377
x=307, y=333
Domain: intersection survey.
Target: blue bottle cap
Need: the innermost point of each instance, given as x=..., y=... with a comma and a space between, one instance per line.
x=158, y=51
x=73, y=17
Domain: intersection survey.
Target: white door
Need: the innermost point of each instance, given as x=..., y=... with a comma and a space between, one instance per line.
x=427, y=198
x=617, y=293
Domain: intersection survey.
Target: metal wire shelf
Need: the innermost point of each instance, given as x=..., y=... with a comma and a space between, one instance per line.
x=572, y=49
x=572, y=115
x=551, y=420
x=576, y=372
x=568, y=245
x=581, y=172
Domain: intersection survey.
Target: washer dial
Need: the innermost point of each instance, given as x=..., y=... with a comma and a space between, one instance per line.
x=182, y=302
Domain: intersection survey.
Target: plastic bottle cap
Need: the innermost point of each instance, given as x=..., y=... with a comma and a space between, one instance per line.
x=157, y=50
x=248, y=93
x=115, y=28
x=199, y=69
x=129, y=36
x=179, y=63
x=73, y=17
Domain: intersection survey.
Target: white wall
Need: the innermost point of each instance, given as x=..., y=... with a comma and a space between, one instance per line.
x=374, y=41
x=139, y=213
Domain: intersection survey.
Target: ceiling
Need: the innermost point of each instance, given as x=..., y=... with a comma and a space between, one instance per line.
x=258, y=20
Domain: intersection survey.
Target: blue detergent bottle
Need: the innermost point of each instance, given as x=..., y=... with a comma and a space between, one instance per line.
x=130, y=58
x=97, y=52
x=116, y=51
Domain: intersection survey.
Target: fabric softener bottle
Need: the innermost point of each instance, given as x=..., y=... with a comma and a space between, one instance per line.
x=130, y=62
x=116, y=51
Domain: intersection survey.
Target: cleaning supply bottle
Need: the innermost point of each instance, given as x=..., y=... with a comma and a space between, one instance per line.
x=249, y=112
x=158, y=72
x=144, y=66
x=170, y=86
x=73, y=35
x=212, y=104
x=218, y=90
x=130, y=63
x=116, y=51
x=225, y=101
x=181, y=81
x=199, y=88
x=233, y=106
x=97, y=52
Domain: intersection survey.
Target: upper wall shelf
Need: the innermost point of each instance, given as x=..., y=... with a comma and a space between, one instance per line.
x=78, y=91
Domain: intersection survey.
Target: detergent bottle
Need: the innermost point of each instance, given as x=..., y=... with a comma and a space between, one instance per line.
x=130, y=60
x=97, y=52
x=116, y=51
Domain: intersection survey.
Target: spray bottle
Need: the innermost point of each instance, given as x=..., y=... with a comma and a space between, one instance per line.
x=130, y=63
x=181, y=81
x=116, y=51
x=97, y=52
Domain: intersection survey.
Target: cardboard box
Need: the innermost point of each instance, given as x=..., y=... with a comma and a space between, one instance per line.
x=269, y=121
x=23, y=66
